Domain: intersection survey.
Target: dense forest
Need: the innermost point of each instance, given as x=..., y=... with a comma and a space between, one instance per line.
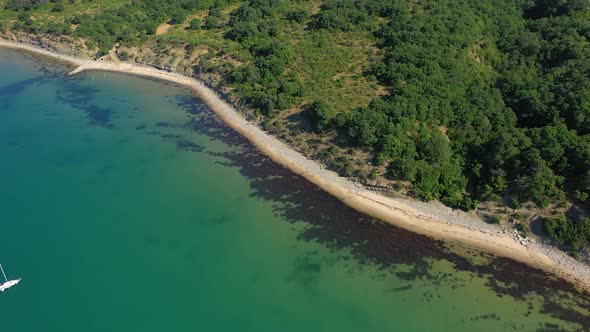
x=486, y=100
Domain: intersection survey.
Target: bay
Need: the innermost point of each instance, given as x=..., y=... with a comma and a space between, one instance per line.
x=126, y=205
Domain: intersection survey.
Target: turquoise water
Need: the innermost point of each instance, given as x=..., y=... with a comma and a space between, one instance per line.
x=125, y=205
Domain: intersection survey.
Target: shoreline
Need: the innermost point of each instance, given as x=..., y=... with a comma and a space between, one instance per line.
x=430, y=219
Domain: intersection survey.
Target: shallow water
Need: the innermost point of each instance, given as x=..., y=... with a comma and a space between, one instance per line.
x=125, y=205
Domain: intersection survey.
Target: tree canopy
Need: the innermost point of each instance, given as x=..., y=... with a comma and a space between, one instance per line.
x=485, y=99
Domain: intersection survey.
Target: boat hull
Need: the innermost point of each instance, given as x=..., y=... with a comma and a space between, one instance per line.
x=8, y=284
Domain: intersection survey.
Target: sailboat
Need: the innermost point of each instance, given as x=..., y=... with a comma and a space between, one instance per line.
x=7, y=283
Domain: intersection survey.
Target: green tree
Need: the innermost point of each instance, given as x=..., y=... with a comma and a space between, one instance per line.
x=195, y=24
x=321, y=115
x=211, y=22
x=58, y=7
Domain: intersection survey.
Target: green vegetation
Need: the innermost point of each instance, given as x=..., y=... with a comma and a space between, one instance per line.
x=494, y=219
x=127, y=22
x=522, y=229
x=195, y=24
x=509, y=86
x=304, y=64
x=573, y=235
x=321, y=115
x=464, y=101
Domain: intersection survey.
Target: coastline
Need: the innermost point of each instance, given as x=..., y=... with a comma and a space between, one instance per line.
x=424, y=218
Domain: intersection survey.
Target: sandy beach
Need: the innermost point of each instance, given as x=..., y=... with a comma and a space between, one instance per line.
x=431, y=219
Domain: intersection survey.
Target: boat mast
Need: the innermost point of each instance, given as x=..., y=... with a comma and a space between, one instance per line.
x=3, y=272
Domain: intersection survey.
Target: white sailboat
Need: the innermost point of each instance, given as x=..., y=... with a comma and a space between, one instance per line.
x=7, y=283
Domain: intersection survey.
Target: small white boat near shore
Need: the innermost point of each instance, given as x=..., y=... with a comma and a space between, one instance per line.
x=7, y=283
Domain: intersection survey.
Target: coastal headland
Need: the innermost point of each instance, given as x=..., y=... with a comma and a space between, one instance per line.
x=430, y=219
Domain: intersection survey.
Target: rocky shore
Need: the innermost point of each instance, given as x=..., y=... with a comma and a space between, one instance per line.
x=431, y=219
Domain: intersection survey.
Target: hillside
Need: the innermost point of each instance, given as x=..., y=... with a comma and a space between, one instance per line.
x=477, y=104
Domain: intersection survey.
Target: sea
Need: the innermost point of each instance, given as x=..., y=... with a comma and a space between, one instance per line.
x=127, y=205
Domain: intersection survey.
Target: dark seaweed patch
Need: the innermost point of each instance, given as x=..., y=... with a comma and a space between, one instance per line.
x=403, y=288
x=550, y=327
x=190, y=106
x=337, y=226
x=186, y=145
x=171, y=136
x=164, y=124
x=183, y=144
x=305, y=270
x=78, y=97
x=486, y=316
x=554, y=309
x=18, y=87
x=220, y=220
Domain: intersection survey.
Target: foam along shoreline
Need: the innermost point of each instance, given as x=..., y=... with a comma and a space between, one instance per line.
x=430, y=219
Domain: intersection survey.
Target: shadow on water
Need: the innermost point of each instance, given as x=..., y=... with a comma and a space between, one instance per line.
x=70, y=91
x=20, y=86
x=73, y=95
x=49, y=71
x=333, y=224
x=338, y=227
x=79, y=97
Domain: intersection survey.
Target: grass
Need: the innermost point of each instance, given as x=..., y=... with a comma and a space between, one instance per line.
x=331, y=65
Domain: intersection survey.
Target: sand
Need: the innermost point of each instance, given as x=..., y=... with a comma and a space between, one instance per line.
x=430, y=219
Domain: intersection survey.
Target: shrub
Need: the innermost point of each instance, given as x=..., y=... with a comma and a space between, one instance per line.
x=522, y=229
x=195, y=24
x=582, y=195
x=178, y=17
x=297, y=15
x=494, y=219
x=321, y=115
x=211, y=22
x=568, y=233
x=58, y=7
x=518, y=216
x=515, y=203
x=373, y=175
